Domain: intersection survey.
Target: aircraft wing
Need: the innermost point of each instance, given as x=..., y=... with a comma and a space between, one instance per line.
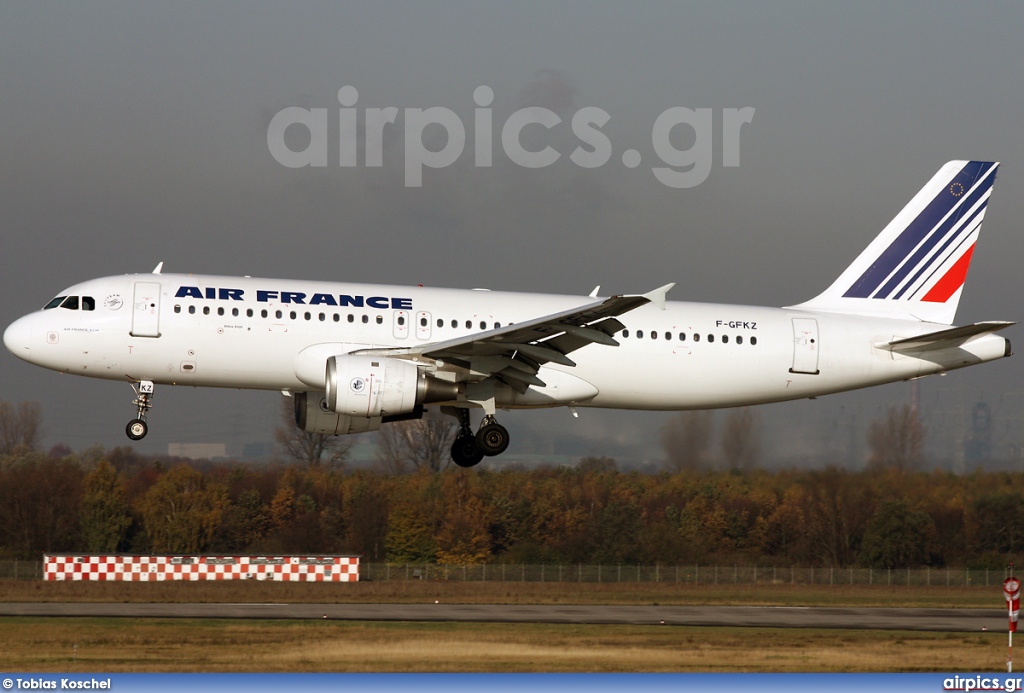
x=514, y=354
x=946, y=339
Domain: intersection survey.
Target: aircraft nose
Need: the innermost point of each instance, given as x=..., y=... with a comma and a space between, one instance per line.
x=18, y=337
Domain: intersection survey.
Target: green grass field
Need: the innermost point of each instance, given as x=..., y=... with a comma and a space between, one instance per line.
x=191, y=645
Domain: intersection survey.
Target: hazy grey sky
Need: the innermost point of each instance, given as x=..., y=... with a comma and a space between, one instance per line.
x=133, y=133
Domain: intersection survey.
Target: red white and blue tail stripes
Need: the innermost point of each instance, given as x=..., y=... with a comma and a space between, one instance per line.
x=917, y=266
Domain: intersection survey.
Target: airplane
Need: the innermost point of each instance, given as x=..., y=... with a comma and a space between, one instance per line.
x=358, y=356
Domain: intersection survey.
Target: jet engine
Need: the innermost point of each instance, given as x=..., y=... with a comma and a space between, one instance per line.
x=313, y=416
x=374, y=386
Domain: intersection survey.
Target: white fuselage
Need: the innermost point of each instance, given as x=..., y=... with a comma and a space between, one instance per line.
x=219, y=331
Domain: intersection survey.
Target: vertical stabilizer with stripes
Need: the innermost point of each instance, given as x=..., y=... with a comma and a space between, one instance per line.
x=916, y=267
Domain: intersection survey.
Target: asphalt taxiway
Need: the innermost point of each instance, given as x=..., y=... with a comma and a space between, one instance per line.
x=954, y=620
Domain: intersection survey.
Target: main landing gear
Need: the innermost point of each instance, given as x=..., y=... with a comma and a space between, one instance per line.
x=468, y=449
x=492, y=438
x=137, y=428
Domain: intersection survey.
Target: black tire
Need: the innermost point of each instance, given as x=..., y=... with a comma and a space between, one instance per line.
x=465, y=453
x=136, y=429
x=492, y=439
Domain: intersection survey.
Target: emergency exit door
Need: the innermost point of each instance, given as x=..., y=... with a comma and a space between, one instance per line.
x=400, y=322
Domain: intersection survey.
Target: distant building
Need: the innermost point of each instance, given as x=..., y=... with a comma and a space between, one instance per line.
x=197, y=451
x=257, y=451
x=978, y=446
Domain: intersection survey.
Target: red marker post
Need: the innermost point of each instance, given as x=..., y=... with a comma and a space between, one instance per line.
x=1011, y=590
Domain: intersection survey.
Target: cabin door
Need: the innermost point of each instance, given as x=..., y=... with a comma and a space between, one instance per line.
x=146, y=310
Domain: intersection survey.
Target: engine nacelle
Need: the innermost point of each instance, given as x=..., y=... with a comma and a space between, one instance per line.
x=313, y=416
x=374, y=386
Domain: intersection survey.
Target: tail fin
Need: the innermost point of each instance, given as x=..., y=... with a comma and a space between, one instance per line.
x=917, y=266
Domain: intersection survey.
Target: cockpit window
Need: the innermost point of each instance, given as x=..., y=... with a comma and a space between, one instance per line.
x=88, y=303
x=71, y=303
x=54, y=303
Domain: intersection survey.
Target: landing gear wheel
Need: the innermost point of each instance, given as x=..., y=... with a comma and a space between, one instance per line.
x=465, y=452
x=136, y=429
x=492, y=439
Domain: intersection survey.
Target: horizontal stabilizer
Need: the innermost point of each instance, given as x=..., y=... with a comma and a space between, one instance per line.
x=946, y=339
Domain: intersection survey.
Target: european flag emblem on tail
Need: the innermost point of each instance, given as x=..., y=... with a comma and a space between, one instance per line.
x=917, y=265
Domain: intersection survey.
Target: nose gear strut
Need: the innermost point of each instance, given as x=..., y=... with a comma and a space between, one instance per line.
x=137, y=428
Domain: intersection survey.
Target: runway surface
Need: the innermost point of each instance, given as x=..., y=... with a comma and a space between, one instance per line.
x=728, y=616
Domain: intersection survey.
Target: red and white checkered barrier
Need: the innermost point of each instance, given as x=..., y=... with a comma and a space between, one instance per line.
x=162, y=568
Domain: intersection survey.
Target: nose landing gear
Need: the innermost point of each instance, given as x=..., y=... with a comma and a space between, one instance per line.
x=137, y=428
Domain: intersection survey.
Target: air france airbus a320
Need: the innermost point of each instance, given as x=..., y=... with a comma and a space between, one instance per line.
x=358, y=356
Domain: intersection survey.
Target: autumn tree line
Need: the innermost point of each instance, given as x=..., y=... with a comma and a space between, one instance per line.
x=413, y=508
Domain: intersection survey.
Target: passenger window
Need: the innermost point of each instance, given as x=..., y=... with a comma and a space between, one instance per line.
x=696, y=337
x=739, y=339
x=88, y=303
x=668, y=336
x=71, y=303
x=639, y=334
x=455, y=323
x=753, y=341
x=366, y=319
x=682, y=336
x=440, y=322
x=497, y=325
x=351, y=318
x=248, y=313
x=323, y=316
x=423, y=322
x=191, y=310
x=234, y=312
x=483, y=325
x=293, y=315
x=401, y=320
x=220, y=311
x=725, y=339
x=337, y=318
x=54, y=303
x=711, y=337
x=625, y=334
x=263, y=313
x=654, y=335
x=177, y=309
x=206, y=310
x=380, y=319
x=469, y=324
x=278, y=314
